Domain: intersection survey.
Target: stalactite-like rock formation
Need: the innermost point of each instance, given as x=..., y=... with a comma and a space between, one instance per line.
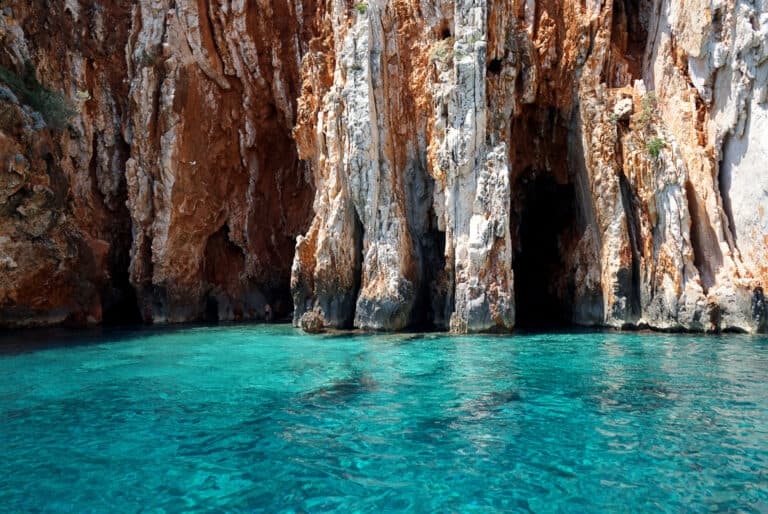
x=475, y=165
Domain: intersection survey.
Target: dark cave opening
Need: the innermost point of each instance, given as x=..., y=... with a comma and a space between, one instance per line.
x=494, y=66
x=429, y=311
x=211, y=313
x=120, y=303
x=444, y=30
x=541, y=281
x=629, y=279
x=223, y=265
x=628, y=39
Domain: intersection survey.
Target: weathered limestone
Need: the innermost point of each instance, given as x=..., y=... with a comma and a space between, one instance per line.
x=475, y=165
x=648, y=247
x=63, y=222
x=215, y=189
x=187, y=190
x=380, y=157
x=473, y=178
x=359, y=263
x=312, y=322
x=722, y=52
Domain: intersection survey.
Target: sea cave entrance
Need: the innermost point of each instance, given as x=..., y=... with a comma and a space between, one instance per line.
x=546, y=216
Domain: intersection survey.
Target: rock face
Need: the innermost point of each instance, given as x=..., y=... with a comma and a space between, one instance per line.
x=176, y=192
x=475, y=165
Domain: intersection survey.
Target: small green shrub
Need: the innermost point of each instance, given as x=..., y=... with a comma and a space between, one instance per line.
x=55, y=108
x=649, y=100
x=362, y=7
x=654, y=146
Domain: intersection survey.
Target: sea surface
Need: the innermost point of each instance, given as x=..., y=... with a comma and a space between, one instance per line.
x=262, y=418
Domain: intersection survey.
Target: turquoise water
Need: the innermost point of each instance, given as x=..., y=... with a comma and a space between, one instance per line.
x=261, y=418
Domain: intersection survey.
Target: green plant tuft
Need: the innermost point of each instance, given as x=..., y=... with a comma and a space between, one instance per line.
x=362, y=7
x=56, y=109
x=148, y=58
x=654, y=146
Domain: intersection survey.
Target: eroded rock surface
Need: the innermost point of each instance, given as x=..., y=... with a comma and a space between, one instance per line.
x=475, y=165
x=582, y=162
x=312, y=322
x=178, y=178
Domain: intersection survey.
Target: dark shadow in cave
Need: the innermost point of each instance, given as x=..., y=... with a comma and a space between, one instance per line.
x=120, y=305
x=629, y=35
x=428, y=312
x=211, y=314
x=223, y=265
x=629, y=280
x=541, y=287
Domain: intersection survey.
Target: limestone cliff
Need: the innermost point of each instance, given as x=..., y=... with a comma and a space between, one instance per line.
x=475, y=164
x=179, y=192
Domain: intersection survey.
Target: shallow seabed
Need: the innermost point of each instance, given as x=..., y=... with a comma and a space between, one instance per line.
x=262, y=418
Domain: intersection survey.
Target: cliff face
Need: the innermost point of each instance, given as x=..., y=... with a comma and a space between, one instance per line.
x=179, y=192
x=474, y=164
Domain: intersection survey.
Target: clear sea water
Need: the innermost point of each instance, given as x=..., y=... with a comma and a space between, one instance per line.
x=264, y=419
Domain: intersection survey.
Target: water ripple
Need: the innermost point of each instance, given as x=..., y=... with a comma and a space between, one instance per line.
x=263, y=419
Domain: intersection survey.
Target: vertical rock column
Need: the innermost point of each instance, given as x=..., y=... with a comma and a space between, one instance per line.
x=326, y=267
x=638, y=198
x=471, y=170
x=389, y=274
x=357, y=264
